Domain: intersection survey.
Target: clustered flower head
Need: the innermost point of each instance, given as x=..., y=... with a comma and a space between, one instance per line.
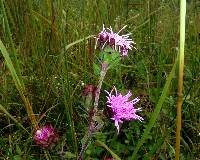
x=122, y=108
x=119, y=43
x=46, y=136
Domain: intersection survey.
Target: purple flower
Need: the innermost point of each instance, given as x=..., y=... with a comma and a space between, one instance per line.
x=46, y=136
x=103, y=36
x=119, y=43
x=122, y=108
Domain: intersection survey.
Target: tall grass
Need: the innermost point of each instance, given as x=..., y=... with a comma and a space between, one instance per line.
x=19, y=84
x=47, y=52
x=156, y=112
x=180, y=79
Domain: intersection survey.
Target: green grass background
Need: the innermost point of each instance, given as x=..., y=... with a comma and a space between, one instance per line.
x=51, y=46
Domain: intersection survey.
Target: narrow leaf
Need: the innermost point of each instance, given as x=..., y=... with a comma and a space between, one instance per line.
x=99, y=143
x=11, y=117
x=157, y=110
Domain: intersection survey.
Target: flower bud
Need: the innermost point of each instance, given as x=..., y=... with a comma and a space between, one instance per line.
x=89, y=89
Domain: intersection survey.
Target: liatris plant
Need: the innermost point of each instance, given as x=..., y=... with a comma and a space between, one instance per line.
x=112, y=47
x=46, y=136
x=121, y=108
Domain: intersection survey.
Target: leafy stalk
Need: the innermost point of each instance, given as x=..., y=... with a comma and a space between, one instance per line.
x=94, y=118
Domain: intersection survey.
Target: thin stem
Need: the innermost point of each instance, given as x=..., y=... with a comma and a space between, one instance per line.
x=180, y=80
x=91, y=128
x=29, y=110
x=85, y=144
x=102, y=75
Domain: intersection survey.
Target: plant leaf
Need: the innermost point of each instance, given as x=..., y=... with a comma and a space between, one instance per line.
x=99, y=143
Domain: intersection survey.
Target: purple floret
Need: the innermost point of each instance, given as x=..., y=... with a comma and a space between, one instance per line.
x=119, y=43
x=122, y=107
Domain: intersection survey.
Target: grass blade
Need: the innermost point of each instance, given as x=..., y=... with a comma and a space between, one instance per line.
x=19, y=84
x=99, y=143
x=9, y=36
x=11, y=117
x=156, y=112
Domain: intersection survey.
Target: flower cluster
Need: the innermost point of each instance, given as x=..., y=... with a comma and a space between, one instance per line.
x=119, y=43
x=46, y=136
x=122, y=108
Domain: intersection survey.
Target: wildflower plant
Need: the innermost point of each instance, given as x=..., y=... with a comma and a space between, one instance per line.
x=112, y=47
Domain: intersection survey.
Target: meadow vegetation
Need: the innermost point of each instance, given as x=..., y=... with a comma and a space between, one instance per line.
x=50, y=49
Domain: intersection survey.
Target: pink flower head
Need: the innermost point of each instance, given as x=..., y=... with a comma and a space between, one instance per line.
x=119, y=43
x=122, y=108
x=45, y=136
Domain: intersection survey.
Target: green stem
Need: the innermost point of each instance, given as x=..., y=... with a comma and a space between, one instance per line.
x=180, y=79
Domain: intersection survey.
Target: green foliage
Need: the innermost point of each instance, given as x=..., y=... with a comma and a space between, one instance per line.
x=112, y=58
x=47, y=53
x=156, y=112
x=70, y=155
x=97, y=69
x=108, y=149
x=108, y=56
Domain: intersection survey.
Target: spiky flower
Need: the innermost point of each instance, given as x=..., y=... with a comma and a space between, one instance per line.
x=119, y=43
x=46, y=136
x=122, y=108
